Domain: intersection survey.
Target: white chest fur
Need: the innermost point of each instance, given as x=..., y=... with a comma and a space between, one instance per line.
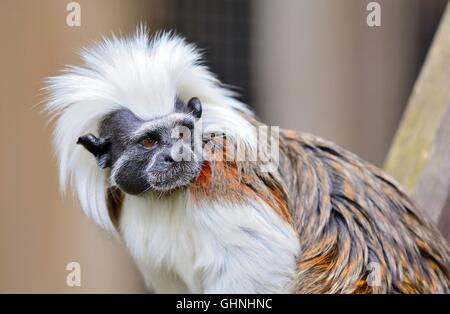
x=182, y=246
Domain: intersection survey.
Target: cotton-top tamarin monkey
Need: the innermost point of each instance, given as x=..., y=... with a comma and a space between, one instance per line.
x=321, y=221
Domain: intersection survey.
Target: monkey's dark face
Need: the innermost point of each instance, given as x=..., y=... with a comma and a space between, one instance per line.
x=156, y=155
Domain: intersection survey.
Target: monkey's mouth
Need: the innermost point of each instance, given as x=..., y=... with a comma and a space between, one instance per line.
x=178, y=175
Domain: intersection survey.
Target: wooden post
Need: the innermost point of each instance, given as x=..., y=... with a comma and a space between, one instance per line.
x=419, y=157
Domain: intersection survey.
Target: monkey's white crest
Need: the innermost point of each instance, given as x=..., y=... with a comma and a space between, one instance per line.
x=144, y=75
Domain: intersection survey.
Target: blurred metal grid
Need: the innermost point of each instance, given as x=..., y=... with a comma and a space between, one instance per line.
x=221, y=28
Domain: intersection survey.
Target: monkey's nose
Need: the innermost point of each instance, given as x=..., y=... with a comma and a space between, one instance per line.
x=165, y=159
x=168, y=159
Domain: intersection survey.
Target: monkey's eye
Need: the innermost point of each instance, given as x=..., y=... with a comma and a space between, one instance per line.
x=148, y=143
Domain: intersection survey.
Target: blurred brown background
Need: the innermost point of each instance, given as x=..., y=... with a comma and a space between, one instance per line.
x=310, y=65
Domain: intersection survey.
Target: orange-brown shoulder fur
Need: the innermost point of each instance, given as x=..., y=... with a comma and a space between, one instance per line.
x=223, y=178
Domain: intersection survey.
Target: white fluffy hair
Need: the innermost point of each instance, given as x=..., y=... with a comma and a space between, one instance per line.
x=144, y=75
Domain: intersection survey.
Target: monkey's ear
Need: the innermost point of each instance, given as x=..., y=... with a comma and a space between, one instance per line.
x=99, y=147
x=195, y=106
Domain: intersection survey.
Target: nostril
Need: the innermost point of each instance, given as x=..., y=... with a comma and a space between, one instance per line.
x=168, y=159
